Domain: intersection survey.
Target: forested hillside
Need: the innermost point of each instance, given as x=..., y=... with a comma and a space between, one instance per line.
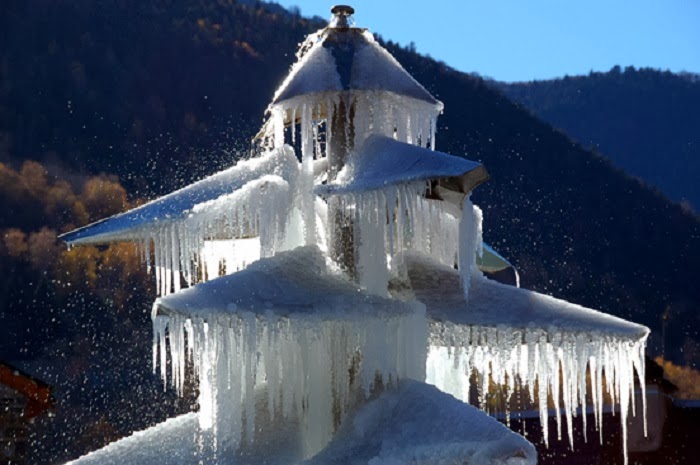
x=156, y=94
x=646, y=121
x=149, y=91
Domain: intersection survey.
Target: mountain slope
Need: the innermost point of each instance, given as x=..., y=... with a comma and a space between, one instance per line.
x=646, y=121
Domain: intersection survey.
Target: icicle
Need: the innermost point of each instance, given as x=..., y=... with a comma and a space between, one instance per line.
x=157, y=262
x=391, y=199
x=176, y=257
x=469, y=227
x=610, y=361
x=162, y=352
x=582, y=357
x=370, y=221
x=292, y=358
x=307, y=176
x=147, y=253
x=169, y=259
x=278, y=115
x=157, y=328
x=639, y=367
x=316, y=138
x=330, y=110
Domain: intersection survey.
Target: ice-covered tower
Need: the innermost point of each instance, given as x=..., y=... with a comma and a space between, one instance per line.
x=362, y=121
x=320, y=274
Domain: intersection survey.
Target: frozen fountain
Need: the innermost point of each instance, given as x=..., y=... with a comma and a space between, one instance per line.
x=314, y=289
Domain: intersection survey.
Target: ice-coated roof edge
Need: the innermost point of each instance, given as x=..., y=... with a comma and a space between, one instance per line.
x=496, y=305
x=491, y=260
x=383, y=162
x=126, y=226
x=296, y=282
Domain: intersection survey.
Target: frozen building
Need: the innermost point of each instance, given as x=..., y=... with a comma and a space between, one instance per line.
x=329, y=293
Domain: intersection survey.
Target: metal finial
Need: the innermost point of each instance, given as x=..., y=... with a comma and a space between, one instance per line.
x=340, y=15
x=342, y=10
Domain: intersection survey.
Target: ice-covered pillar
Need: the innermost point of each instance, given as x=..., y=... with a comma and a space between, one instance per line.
x=340, y=119
x=340, y=224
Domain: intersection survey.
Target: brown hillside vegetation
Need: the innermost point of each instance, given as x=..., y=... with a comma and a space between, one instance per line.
x=686, y=379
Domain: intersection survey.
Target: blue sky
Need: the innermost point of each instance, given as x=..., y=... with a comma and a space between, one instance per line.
x=512, y=40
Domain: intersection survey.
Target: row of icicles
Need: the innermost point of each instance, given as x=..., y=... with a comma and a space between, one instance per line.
x=547, y=365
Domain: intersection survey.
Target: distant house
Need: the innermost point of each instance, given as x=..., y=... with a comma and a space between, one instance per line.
x=22, y=398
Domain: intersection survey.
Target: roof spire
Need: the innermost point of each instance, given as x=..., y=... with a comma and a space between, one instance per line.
x=341, y=16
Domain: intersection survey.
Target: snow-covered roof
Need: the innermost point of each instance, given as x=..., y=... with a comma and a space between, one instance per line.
x=383, y=162
x=173, y=442
x=417, y=423
x=494, y=304
x=348, y=59
x=297, y=281
x=414, y=422
x=179, y=204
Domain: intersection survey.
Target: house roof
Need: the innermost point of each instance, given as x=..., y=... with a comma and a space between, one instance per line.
x=37, y=392
x=419, y=423
x=171, y=442
x=433, y=424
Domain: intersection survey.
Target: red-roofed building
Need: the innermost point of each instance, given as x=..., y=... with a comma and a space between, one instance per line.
x=22, y=398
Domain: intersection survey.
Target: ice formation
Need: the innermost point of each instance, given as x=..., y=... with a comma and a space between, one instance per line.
x=322, y=271
x=192, y=231
x=517, y=338
x=313, y=341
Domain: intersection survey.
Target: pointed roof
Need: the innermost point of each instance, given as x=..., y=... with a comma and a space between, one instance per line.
x=343, y=59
